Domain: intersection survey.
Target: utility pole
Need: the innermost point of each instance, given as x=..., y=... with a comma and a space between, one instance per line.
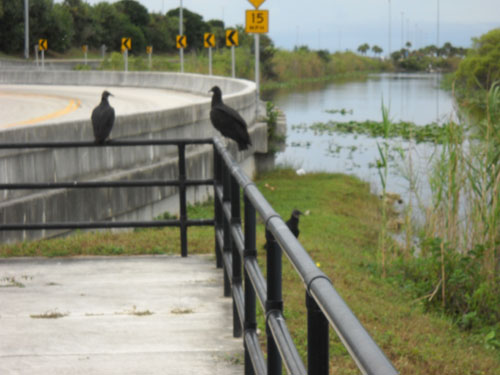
x=389, y=29
x=402, y=30
x=437, y=34
x=180, y=33
x=26, y=29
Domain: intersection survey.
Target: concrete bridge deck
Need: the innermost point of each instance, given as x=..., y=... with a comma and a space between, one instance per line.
x=33, y=105
x=124, y=315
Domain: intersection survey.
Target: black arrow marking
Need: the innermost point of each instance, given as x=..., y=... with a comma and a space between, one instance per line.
x=208, y=40
x=230, y=37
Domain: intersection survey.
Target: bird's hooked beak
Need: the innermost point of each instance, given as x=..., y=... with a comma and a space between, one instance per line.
x=216, y=90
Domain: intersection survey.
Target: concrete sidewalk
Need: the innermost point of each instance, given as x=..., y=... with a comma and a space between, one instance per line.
x=116, y=315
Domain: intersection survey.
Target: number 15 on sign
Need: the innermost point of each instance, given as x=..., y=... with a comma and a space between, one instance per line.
x=257, y=21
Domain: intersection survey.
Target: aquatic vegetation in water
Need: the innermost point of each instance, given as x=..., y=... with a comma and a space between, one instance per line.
x=305, y=144
x=433, y=132
x=342, y=111
x=300, y=127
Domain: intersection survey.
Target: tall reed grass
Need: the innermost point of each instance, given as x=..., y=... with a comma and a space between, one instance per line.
x=456, y=268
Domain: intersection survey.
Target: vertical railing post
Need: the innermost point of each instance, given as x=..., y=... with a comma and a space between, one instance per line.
x=217, y=205
x=236, y=257
x=226, y=198
x=317, y=339
x=250, y=299
x=182, y=198
x=274, y=301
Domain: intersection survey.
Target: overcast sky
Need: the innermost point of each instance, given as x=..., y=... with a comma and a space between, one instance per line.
x=345, y=24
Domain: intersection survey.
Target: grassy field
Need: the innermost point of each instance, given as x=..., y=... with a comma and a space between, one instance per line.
x=341, y=233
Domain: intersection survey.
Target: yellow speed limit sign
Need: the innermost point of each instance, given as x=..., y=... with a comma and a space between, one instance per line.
x=257, y=21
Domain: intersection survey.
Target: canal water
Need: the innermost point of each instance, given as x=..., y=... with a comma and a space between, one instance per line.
x=409, y=97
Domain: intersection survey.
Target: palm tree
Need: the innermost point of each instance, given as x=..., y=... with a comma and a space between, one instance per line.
x=377, y=50
x=363, y=48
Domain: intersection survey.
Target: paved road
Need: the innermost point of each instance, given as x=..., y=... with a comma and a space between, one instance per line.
x=31, y=105
x=116, y=315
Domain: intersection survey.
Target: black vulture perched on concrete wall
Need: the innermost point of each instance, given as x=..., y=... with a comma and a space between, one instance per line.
x=103, y=119
x=228, y=121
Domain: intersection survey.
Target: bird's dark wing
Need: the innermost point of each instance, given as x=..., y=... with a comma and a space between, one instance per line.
x=293, y=225
x=229, y=122
x=109, y=121
x=103, y=119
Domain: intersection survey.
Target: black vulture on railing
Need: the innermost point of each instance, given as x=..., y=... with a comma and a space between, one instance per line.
x=103, y=119
x=229, y=122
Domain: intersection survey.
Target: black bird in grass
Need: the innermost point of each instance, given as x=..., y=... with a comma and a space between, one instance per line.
x=292, y=224
x=228, y=121
x=103, y=119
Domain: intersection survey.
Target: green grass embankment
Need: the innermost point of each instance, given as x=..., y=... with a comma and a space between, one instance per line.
x=341, y=234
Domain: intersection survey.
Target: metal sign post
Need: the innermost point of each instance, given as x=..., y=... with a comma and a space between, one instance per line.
x=85, y=49
x=149, y=51
x=181, y=50
x=233, y=63
x=126, y=45
x=26, y=29
x=257, y=64
x=209, y=42
x=125, y=58
x=209, y=61
x=232, y=41
x=36, y=53
x=257, y=22
x=181, y=43
x=42, y=46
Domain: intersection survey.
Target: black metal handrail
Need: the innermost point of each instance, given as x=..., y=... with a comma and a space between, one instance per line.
x=181, y=183
x=236, y=250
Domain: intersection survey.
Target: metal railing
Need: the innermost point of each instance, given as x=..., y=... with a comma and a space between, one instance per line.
x=235, y=249
x=181, y=183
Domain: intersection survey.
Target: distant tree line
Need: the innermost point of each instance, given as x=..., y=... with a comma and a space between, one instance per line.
x=74, y=23
x=426, y=58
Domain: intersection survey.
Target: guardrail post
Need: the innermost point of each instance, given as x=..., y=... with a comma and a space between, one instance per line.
x=236, y=261
x=217, y=205
x=182, y=198
x=274, y=301
x=317, y=339
x=226, y=198
x=250, y=298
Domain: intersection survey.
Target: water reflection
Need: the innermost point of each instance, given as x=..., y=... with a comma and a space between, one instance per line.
x=409, y=97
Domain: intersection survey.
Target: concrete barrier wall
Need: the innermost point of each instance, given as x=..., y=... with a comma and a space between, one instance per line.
x=105, y=163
